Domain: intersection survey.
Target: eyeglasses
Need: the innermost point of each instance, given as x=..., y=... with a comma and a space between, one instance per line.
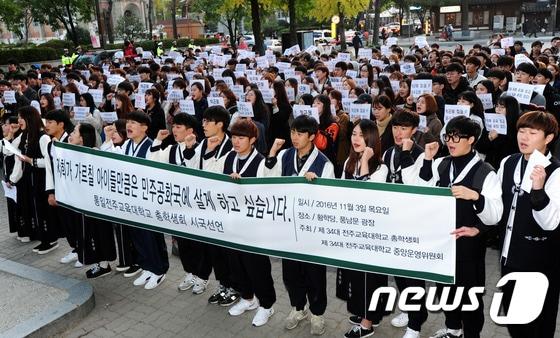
x=455, y=138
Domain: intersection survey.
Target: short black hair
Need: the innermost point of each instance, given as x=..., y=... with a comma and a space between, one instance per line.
x=342, y=65
x=454, y=67
x=217, y=114
x=59, y=115
x=186, y=120
x=497, y=73
x=439, y=79
x=463, y=125
x=528, y=68
x=126, y=86
x=405, y=118
x=140, y=117
x=305, y=124
x=546, y=73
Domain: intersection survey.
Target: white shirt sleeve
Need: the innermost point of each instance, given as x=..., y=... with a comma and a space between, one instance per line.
x=380, y=175
x=276, y=171
x=409, y=175
x=43, y=146
x=549, y=217
x=493, y=204
x=328, y=171
x=110, y=147
x=160, y=155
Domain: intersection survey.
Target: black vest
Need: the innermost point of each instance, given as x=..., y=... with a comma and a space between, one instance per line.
x=144, y=147
x=531, y=248
x=252, y=168
x=396, y=177
x=468, y=248
x=288, y=165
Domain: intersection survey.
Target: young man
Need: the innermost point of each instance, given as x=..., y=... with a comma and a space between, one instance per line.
x=525, y=73
x=209, y=155
x=531, y=217
x=150, y=246
x=182, y=131
x=456, y=83
x=302, y=279
x=57, y=122
x=406, y=153
x=252, y=272
x=477, y=190
x=472, y=65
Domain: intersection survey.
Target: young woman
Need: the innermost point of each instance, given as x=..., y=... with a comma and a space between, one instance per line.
x=47, y=104
x=367, y=72
x=155, y=112
x=96, y=243
x=123, y=105
x=501, y=146
x=327, y=136
x=364, y=163
x=200, y=103
x=487, y=87
x=29, y=175
x=404, y=92
x=470, y=99
x=344, y=127
x=382, y=113
x=93, y=117
x=261, y=117
x=281, y=114
x=427, y=106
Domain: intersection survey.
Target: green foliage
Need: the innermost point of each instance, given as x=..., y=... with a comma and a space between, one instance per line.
x=28, y=54
x=82, y=36
x=129, y=27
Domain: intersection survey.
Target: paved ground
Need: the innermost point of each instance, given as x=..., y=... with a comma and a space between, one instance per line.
x=23, y=298
x=124, y=310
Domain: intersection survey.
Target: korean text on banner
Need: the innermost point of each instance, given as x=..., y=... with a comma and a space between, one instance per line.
x=385, y=228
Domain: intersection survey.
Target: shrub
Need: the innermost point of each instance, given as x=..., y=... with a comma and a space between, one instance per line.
x=28, y=54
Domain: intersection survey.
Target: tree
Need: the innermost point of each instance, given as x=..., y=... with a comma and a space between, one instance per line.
x=293, y=21
x=62, y=12
x=230, y=13
x=150, y=14
x=129, y=27
x=325, y=9
x=16, y=15
x=256, y=24
x=174, y=18
x=108, y=18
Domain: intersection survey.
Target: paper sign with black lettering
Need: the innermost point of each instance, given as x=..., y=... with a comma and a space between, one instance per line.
x=496, y=122
x=487, y=102
x=139, y=101
x=187, y=106
x=80, y=113
x=521, y=91
x=453, y=110
x=365, y=53
x=68, y=99
x=419, y=87
x=300, y=109
x=216, y=101
x=109, y=116
x=360, y=111
x=245, y=109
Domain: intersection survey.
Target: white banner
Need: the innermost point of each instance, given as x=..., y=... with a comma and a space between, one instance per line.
x=379, y=227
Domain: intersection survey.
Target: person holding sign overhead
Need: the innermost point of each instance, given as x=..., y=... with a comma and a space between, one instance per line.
x=303, y=280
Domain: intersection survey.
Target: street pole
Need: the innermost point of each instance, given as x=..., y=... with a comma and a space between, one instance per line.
x=553, y=16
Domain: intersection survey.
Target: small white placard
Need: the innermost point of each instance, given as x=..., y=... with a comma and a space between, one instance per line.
x=80, y=113
x=521, y=91
x=486, y=99
x=453, y=110
x=300, y=109
x=245, y=109
x=10, y=96
x=140, y=101
x=68, y=99
x=360, y=111
x=109, y=116
x=496, y=122
x=419, y=87
x=187, y=106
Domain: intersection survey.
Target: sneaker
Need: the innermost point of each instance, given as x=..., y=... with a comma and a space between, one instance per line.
x=78, y=264
x=143, y=279
x=132, y=271
x=401, y=320
x=154, y=281
x=199, y=285
x=243, y=305
x=98, y=271
x=187, y=283
x=122, y=268
x=36, y=249
x=218, y=295
x=262, y=315
x=230, y=297
x=293, y=319
x=45, y=249
x=70, y=257
x=410, y=333
x=24, y=239
x=358, y=331
x=317, y=325
x=445, y=333
x=357, y=320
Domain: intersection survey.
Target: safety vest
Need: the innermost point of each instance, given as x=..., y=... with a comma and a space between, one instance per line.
x=74, y=57
x=172, y=49
x=159, y=51
x=66, y=60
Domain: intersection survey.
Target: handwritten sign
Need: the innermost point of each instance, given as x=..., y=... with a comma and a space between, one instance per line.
x=300, y=109
x=360, y=111
x=419, y=87
x=68, y=99
x=140, y=101
x=486, y=99
x=245, y=109
x=521, y=91
x=187, y=106
x=496, y=122
x=80, y=113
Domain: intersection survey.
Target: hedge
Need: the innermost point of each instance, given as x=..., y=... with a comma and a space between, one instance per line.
x=53, y=49
x=23, y=55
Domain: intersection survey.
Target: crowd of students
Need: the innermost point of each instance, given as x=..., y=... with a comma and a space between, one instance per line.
x=484, y=170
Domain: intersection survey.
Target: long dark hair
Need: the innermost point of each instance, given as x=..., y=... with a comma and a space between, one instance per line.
x=325, y=118
x=50, y=104
x=372, y=140
x=260, y=109
x=87, y=132
x=477, y=108
x=33, y=127
x=89, y=101
x=512, y=112
x=281, y=96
